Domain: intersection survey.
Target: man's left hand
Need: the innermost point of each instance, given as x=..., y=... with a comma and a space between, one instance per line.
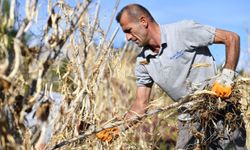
x=223, y=85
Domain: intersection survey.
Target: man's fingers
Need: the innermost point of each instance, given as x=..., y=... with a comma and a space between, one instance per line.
x=109, y=138
x=222, y=90
x=108, y=135
x=100, y=134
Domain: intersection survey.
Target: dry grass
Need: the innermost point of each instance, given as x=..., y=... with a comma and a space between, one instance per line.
x=96, y=81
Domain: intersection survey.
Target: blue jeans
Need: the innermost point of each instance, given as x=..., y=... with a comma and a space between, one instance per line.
x=215, y=139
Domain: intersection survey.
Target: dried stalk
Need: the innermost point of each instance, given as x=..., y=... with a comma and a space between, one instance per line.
x=92, y=31
x=17, y=50
x=136, y=118
x=5, y=65
x=89, y=101
x=109, y=52
x=38, y=85
x=19, y=34
x=12, y=14
x=100, y=47
x=125, y=47
x=77, y=59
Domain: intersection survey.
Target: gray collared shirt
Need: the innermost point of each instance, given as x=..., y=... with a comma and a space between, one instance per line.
x=183, y=60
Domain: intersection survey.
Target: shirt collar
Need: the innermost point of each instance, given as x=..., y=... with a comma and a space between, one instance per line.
x=163, y=39
x=163, y=42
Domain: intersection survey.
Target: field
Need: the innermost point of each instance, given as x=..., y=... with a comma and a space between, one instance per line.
x=76, y=62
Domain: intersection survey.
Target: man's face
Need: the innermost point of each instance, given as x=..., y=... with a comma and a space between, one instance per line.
x=134, y=30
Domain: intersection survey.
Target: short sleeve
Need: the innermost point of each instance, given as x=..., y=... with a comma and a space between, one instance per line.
x=193, y=34
x=142, y=76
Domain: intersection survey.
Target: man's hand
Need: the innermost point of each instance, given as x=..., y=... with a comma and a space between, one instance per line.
x=108, y=135
x=222, y=86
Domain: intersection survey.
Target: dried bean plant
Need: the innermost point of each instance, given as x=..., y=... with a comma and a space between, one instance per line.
x=93, y=82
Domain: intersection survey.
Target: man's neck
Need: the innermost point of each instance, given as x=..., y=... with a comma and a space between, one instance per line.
x=155, y=40
x=155, y=49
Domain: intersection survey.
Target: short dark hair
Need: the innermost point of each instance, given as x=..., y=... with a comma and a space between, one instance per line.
x=134, y=10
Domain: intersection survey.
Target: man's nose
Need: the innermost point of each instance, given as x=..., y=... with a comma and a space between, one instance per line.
x=128, y=36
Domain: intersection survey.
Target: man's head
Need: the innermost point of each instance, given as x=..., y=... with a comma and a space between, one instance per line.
x=134, y=11
x=135, y=21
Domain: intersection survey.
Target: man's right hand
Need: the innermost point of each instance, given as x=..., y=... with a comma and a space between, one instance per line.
x=138, y=107
x=108, y=135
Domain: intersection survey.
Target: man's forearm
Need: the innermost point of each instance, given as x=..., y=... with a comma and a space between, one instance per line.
x=232, y=51
x=232, y=43
x=136, y=109
x=139, y=106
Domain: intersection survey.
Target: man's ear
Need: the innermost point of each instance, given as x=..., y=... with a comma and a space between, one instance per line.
x=144, y=21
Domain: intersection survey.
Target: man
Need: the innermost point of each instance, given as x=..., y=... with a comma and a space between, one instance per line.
x=173, y=56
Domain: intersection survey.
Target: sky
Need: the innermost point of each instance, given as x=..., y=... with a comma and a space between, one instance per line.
x=229, y=15
x=232, y=15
